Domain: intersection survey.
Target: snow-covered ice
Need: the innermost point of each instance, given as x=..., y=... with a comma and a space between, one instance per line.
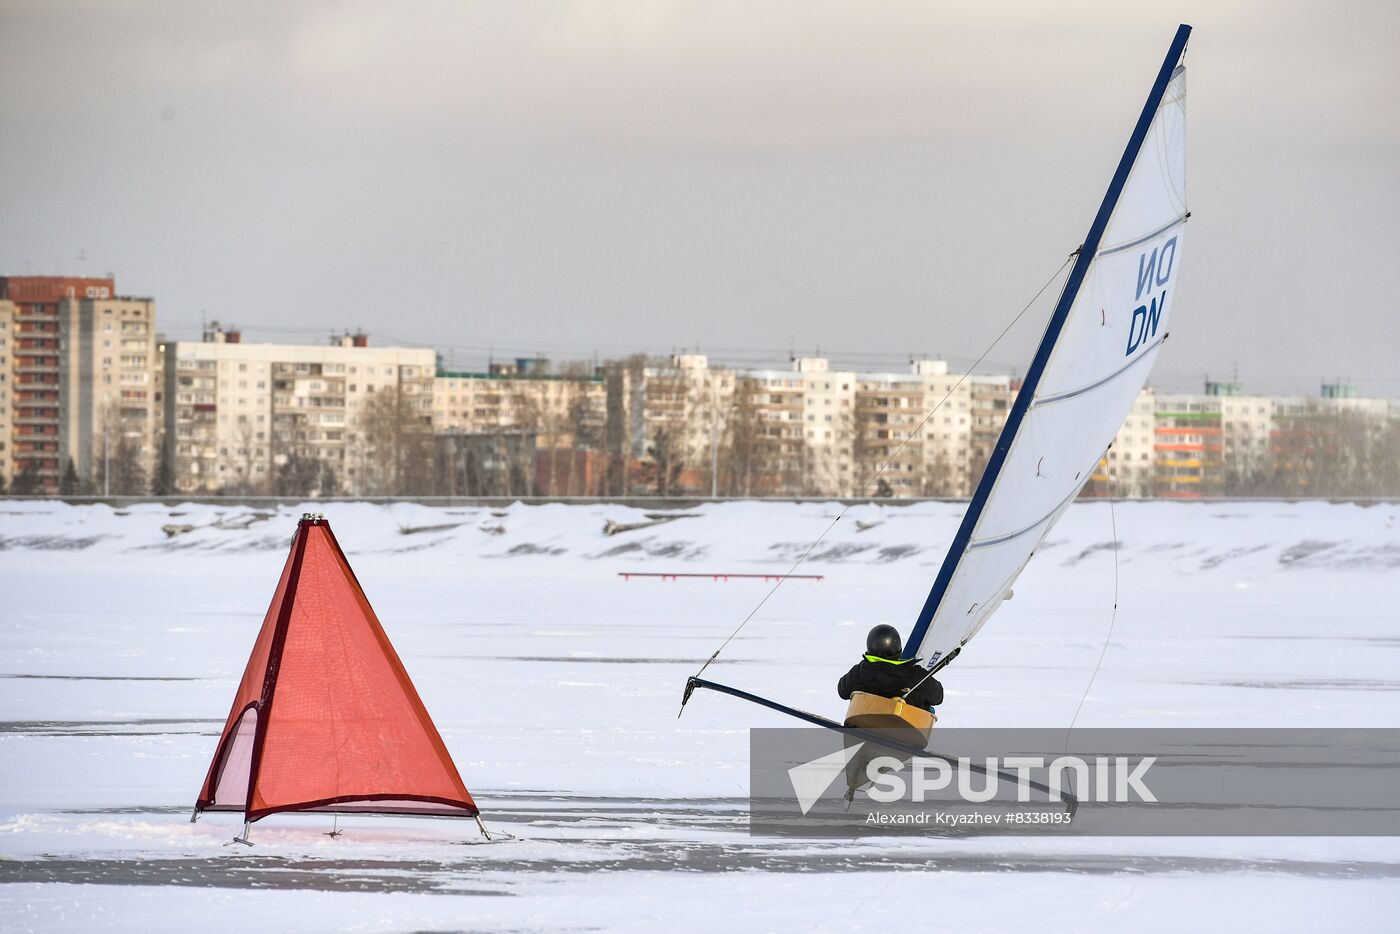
x=555, y=683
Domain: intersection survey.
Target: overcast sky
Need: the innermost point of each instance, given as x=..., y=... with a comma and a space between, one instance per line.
x=866, y=178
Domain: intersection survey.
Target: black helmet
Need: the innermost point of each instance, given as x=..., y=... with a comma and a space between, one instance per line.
x=884, y=642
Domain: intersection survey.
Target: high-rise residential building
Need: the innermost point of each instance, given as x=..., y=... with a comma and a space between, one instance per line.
x=109, y=420
x=238, y=413
x=7, y=332
x=767, y=434
x=35, y=353
x=926, y=432
x=888, y=408
x=829, y=417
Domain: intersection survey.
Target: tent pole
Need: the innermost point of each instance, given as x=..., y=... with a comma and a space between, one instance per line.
x=194, y=815
x=247, y=829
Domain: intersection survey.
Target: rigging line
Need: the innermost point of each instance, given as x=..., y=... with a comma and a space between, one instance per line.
x=890, y=460
x=1113, y=619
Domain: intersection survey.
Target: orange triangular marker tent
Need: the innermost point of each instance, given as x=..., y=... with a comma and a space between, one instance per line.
x=326, y=718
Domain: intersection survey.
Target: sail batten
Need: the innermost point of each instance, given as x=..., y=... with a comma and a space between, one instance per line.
x=1109, y=251
x=1002, y=539
x=1060, y=397
x=1079, y=386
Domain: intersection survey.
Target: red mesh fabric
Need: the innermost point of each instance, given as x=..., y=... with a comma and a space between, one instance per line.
x=342, y=721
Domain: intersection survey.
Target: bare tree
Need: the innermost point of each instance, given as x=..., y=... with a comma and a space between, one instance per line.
x=587, y=437
x=246, y=458
x=585, y=424
x=554, y=426
x=740, y=453
x=528, y=418
x=616, y=429
x=394, y=446
x=665, y=460
x=297, y=475
x=119, y=471
x=1318, y=451
x=865, y=456
x=940, y=477
x=163, y=480
x=329, y=482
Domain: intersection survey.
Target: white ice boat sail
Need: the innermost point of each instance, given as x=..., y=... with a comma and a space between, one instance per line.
x=1098, y=348
x=1099, y=345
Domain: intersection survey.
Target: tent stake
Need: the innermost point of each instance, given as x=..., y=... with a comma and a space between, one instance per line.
x=481, y=826
x=247, y=828
x=194, y=815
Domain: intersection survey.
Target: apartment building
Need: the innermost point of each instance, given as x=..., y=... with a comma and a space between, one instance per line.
x=1129, y=468
x=991, y=398
x=1247, y=425
x=927, y=432
x=687, y=409
x=818, y=431
x=236, y=412
x=36, y=391
x=109, y=417
x=829, y=418
x=84, y=377
x=767, y=440
x=562, y=410
x=1189, y=447
x=7, y=427
x=888, y=461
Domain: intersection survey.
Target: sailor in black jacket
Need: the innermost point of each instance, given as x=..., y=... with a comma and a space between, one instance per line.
x=882, y=672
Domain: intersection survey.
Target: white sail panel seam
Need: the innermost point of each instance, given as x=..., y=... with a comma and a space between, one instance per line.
x=1002, y=539
x=1060, y=397
x=1141, y=240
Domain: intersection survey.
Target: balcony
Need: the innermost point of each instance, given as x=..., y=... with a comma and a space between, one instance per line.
x=37, y=368
x=44, y=457
x=37, y=420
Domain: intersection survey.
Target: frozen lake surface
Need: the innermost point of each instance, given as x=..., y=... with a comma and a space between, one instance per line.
x=555, y=684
